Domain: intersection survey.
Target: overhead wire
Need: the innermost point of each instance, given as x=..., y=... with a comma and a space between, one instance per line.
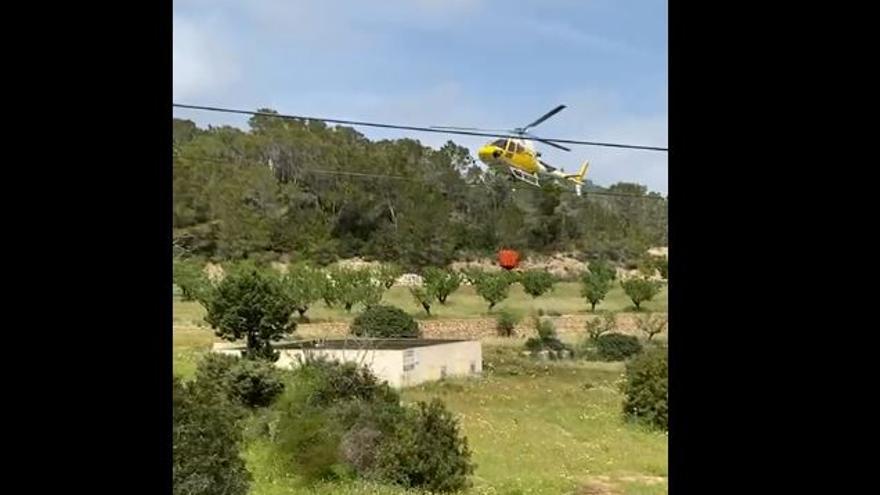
x=394, y=177
x=415, y=128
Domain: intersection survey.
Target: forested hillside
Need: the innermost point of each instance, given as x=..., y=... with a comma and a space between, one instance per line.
x=293, y=189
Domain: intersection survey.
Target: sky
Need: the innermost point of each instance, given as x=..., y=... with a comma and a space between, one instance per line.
x=475, y=63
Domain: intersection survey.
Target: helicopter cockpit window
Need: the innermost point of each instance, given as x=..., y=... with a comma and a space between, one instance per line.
x=501, y=143
x=519, y=148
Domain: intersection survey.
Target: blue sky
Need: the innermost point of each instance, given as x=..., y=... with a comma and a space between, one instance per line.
x=476, y=63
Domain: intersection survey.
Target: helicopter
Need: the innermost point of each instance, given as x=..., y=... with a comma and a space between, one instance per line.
x=514, y=151
x=521, y=158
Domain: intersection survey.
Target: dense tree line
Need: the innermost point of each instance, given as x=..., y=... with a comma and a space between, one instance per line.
x=267, y=192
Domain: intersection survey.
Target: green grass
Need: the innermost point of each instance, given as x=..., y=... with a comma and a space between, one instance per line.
x=534, y=428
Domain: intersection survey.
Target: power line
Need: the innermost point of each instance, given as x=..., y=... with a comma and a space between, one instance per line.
x=402, y=178
x=416, y=128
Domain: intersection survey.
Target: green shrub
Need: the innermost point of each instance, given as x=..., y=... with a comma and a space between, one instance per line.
x=546, y=339
x=536, y=282
x=255, y=384
x=385, y=322
x=251, y=304
x=215, y=369
x=245, y=382
x=427, y=451
x=325, y=402
x=617, y=346
x=506, y=322
x=206, y=441
x=334, y=382
x=441, y=283
x=646, y=389
x=640, y=290
x=534, y=344
x=337, y=421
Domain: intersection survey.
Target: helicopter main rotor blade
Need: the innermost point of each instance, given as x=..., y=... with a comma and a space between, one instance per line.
x=545, y=117
x=505, y=134
x=469, y=129
x=551, y=143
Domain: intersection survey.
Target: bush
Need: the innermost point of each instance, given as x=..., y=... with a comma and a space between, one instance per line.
x=640, y=290
x=506, y=322
x=385, y=322
x=427, y=451
x=253, y=304
x=441, y=283
x=337, y=421
x=215, y=369
x=617, y=346
x=255, y=384
x=325, y=417
x=248, y=383
x=536, y=282
x=206, y=440
x=546, y=339
x=334, y=382
x=646, y=389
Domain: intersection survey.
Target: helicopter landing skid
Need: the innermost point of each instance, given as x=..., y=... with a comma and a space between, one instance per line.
x=525, y=177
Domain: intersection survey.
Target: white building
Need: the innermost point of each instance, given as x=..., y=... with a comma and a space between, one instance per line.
x=400, y=362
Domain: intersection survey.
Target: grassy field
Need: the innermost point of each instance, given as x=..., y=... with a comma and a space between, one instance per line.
x=534, y=428
x=465, y=303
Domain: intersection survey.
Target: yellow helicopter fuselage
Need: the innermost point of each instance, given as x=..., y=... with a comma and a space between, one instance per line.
x=521, y=159
x=513, y=153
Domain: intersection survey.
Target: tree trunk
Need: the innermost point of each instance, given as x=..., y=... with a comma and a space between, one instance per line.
x=592, y=306
x=427, y=308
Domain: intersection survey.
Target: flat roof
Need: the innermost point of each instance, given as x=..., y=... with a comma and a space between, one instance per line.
x=380, y=344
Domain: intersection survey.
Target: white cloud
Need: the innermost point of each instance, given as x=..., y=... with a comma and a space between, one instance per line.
x=201, y=64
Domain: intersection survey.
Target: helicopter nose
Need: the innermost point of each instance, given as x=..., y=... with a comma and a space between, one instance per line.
x=487, y=153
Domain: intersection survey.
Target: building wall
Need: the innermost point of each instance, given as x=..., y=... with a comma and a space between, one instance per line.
x=429, y=363
x=400, y=368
